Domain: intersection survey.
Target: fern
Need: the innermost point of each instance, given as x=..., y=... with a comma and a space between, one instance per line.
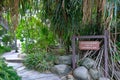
x=39, y=61
x=7, y=73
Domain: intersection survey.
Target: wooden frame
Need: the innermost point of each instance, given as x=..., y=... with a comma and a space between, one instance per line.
x=105, y=37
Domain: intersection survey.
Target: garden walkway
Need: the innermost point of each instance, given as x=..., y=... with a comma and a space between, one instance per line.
x=13, y=60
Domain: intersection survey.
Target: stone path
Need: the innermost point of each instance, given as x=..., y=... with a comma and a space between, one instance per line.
x=26, y=74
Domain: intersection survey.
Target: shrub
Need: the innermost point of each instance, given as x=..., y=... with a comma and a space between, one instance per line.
x=117, y=55
x=6, y=38
x=7, y=73
x=39, y=61
x=4, y=49
x=118, y=45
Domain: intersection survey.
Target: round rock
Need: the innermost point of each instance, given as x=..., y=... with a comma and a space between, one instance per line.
x=70, y=77
x=94, y=74
x=103, y=78
x=88, y=63
x=65, y=60
x=81, y=73
x=61, y=69
x=118, y=74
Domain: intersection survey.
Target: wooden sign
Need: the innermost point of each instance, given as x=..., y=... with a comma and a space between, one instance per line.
x=89, y=45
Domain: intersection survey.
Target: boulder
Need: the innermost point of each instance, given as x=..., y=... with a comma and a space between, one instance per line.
x=61, y=69
x=63, y=78
x=88, y=63
x=23, y=55
x=103, y=78
x=94, y=74
x=118, y=74
x=119, y=62
x=70, y=77
x=66, y=59
x=81, y=73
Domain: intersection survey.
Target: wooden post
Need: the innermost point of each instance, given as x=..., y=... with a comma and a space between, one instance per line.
x=106, y=52
x=105, y=37
x=73, y=53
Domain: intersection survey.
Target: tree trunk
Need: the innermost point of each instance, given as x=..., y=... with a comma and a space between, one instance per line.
x=15, y=39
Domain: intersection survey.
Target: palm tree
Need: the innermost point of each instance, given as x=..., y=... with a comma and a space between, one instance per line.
x=85, y=17
x=72, y=17
x=15, y=9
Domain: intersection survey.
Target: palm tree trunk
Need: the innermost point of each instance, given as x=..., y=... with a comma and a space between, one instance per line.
x=15, y=39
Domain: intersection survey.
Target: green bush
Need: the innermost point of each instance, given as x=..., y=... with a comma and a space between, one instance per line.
x=6, y=38
x=116, y=57
x=39, y=61
x=7, y=73
x=117, y=54
x=118, y=44
x=4, y=49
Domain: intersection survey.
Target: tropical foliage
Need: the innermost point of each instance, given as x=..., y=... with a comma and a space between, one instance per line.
x=7, y=73
x=40, y=61
x=35, y=35
x=4, y=49
x=41, y=23
x=5, y=41
x=87, y=17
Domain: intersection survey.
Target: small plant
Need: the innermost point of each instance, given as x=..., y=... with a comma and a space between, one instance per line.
x=7, y=73
x=58, y=51
x=39, y=61
x=117, y=57
x=5, y=39
x=4, y=49
x=118, y=45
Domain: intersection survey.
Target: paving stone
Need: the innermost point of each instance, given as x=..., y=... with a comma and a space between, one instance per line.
x=27, y=74
x=21, y=71
x=49, y=78
x=23, y=55
x=24, y=72
x=14, y=60
x=21, y=68
x=15, y=65
x=26, y=78
x=39, y=75
x=11, y=54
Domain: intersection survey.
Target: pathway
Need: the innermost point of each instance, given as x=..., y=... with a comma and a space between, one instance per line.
x=13, y=60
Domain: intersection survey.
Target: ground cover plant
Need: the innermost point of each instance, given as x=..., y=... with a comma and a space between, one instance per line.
x=4, y=49
x=7, y=73
x=41, y=19
x=39, y=61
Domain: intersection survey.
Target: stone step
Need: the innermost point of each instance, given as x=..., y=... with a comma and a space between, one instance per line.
x=14, y=60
